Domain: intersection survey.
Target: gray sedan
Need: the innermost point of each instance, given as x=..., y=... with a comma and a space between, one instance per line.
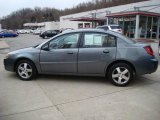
x=90, y=52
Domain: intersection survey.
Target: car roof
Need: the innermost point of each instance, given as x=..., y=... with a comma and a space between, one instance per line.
x=85, y=30
x=108, y=25
x=92, y=30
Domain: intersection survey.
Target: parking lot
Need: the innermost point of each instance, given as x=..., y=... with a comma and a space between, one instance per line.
x=75, y=98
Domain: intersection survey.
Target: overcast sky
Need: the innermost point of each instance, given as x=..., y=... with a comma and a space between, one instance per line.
x=8, y=6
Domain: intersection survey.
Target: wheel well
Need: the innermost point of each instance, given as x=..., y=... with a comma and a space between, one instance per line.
x=120, y=61
x=23, y=59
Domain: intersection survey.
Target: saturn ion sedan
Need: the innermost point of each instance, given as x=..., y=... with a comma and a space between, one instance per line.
x=90, y=52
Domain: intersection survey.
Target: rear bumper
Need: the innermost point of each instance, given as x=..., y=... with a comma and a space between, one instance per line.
x=148, y=67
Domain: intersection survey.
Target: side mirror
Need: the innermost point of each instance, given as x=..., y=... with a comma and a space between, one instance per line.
x=45, y=47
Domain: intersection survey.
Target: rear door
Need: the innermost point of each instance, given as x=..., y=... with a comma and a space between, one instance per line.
x=97, y=50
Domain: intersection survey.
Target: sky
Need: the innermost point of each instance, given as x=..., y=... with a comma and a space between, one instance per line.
x=8, y=6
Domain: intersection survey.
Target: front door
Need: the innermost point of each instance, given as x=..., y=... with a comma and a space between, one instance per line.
x=96, y=52
x=61, y=56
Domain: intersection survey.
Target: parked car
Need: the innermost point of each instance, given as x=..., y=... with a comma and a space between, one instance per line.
x=91, y=52
x=112, y=27
x=8, y=34
x=66, y=29
x=37, y=32
x=21, y=31
x=49, y=33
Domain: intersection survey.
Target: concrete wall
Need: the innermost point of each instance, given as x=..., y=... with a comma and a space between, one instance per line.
x=52, y=25
x=66, y=23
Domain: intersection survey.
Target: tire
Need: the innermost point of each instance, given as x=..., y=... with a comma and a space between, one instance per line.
x=26, y=70
x=121, y=74
x=45, y=37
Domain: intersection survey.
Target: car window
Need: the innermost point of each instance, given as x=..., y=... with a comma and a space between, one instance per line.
x=121, y=43
x=65, y=41
x=115, y=27
x=48, y=32
x=95, y=40
x=103, y=27
x=54, y=32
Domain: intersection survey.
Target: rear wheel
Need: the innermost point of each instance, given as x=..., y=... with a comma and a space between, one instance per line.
x=121, y=74
x=26, y=70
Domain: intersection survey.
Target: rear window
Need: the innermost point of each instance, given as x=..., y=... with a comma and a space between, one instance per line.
x=96, y=40
x=129, y=40
x=115, y=27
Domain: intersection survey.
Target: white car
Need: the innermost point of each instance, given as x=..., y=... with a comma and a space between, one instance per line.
x=21, y=31
x=37, y=32
x=112, y=27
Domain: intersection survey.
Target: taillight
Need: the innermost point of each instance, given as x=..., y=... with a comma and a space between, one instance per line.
x=149, y=50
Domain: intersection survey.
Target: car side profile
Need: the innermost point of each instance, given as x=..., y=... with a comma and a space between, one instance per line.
x=7, y=33
x=49, y=33
x=90, y=52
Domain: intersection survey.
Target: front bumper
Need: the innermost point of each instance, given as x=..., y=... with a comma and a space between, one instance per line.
x=8, y=64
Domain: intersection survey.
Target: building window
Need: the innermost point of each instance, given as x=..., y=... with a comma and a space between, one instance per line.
x=148, y=27
x=87, y=25
x=80, y=25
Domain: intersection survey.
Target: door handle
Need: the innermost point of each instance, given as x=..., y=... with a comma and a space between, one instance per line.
x=105, y=51
x=70, y=52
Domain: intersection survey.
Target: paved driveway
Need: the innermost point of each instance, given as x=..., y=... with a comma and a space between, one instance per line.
x=75, y=98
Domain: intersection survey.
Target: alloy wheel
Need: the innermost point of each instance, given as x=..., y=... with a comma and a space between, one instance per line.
x=25, y=70
x=121, y=75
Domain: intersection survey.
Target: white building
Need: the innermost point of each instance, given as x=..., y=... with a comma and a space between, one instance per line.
x=138, y=20
x=51, y=25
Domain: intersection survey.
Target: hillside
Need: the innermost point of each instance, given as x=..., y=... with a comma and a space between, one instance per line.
x=16, y=19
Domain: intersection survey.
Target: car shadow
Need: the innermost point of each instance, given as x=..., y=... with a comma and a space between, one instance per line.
x=70, y=78
x=137, y=82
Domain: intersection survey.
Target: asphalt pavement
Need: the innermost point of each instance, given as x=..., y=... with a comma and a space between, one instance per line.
x=52, y=97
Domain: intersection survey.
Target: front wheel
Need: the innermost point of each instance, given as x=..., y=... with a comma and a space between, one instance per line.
x=121, y=74
x=26, y=70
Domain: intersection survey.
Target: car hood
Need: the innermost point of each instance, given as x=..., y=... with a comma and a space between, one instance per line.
x=25, y=50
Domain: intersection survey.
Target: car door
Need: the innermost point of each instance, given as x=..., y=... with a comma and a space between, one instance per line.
x=48, y=33
x=97, y=50
x=61, y=57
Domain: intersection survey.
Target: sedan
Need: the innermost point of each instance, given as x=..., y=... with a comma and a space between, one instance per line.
x=8, y=34
x=49, y=33
x=90, y=52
